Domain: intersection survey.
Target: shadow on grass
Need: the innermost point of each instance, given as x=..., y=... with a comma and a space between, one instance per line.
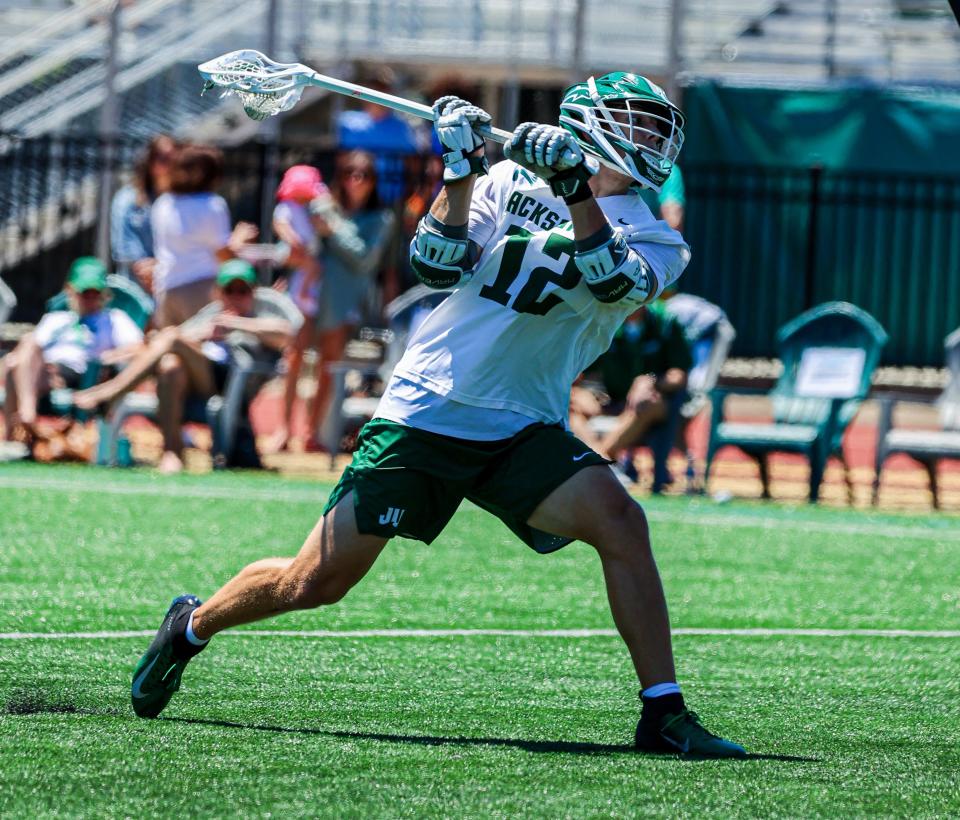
x=32, y=702
x=555, y=746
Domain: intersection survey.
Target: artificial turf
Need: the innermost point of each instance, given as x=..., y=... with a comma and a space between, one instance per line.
x=476, y=724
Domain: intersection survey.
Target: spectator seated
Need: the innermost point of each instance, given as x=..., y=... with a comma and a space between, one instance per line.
x=95, y=321
x=208, y=369
x=642, y=381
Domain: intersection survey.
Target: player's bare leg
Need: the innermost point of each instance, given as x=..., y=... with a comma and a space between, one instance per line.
x=592, y=506
x=333, y=559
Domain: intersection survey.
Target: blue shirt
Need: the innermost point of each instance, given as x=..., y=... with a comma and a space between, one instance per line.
x=389, y=139
x=130, y=235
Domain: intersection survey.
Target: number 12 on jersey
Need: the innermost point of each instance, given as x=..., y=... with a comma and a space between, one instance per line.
x=529, y=300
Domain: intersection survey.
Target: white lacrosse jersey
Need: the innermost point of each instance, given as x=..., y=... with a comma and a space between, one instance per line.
x=517, y=334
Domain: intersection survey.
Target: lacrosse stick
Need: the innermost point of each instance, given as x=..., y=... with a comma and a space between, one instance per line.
x=266, y=87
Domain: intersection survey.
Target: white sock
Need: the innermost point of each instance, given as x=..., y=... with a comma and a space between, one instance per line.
x=656, y=690
x=191, y=637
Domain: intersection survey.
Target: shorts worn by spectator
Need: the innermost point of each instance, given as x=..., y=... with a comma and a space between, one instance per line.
x=477, y=403
x=192, y=361
x=63, y=346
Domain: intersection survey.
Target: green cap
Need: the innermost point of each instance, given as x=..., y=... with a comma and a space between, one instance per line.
x=87, y=273
x=236, y=269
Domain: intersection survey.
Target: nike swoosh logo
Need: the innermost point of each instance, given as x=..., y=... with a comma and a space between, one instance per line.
x=582, y=456
x=682, y=747
x=620, y=220
x=135, y=690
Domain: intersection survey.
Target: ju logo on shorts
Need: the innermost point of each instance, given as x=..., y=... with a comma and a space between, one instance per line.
x=392, y=516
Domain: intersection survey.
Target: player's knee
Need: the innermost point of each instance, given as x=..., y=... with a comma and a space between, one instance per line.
x=625, y=532
x=170, y=365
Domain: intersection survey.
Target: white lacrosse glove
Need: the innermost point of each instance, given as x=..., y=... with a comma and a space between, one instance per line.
x=457, y=123
x=554, y=155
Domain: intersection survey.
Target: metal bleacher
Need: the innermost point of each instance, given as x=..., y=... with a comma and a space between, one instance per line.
x=55, y=56
x=55, y=60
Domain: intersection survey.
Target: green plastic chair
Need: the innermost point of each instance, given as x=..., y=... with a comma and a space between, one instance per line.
x=829, y=354
x=125, y=295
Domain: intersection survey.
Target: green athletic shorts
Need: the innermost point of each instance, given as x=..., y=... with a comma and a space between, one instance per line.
x=409, y=482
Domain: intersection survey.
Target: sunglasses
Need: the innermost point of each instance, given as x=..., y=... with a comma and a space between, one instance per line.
x=91, y=293
x=237, y=290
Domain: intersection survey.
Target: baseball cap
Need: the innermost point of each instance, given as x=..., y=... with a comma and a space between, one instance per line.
x=234, y=269
x=87, y=273
x=301, y=182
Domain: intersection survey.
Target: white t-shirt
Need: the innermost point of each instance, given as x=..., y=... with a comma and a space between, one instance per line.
x=516, y=335
x=188, y=230
x=67, y=340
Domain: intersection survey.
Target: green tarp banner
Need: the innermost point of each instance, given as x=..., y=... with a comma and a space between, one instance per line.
x=848, y=129
x=876, y=224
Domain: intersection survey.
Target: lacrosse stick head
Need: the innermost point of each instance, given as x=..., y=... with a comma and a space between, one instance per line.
x=264, y=86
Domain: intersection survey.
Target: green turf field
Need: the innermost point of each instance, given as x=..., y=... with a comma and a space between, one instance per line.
x=503, y=720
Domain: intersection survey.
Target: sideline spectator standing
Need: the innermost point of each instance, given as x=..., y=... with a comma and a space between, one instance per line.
x=382, y=132
x=131, y=236
x=62, y=346
x=475, y=407
x=192, y=236
x=192, y=361
x=356, y=232
x=644, y=374
x=293, y=226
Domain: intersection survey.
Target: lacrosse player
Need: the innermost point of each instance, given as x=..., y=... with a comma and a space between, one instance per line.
x=546, y=255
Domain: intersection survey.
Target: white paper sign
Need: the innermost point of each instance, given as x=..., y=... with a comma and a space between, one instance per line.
x=830, y=372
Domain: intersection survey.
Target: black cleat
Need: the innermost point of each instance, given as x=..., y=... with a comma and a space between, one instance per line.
x=683, y=733
x=158, y=673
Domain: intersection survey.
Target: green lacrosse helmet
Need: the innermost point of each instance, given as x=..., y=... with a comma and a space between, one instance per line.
x=628, y=120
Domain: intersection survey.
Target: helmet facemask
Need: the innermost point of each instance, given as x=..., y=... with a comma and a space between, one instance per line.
x=641, y=135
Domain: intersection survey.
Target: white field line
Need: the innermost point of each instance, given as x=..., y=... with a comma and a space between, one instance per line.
x=506, y=633
x=289, y=495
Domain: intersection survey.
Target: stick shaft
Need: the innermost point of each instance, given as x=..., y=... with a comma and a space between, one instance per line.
x=390, y=101
x=406, y=106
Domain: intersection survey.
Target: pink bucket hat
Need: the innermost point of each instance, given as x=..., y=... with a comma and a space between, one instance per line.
x=301, y=182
